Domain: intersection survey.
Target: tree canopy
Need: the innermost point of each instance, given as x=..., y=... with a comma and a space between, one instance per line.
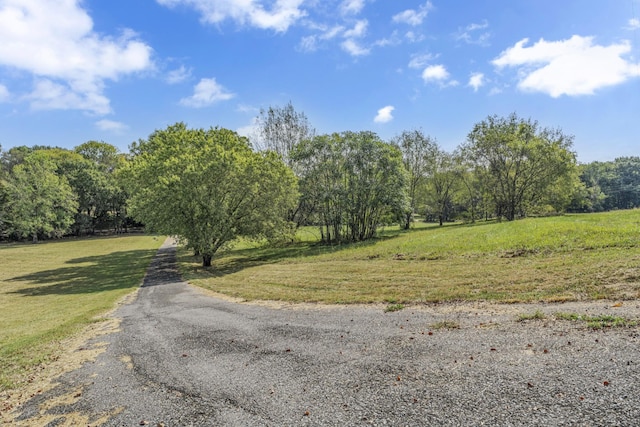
x=356, y=180
x=211, y=186
x=39, y=202
x=208, y=187
x=518, y=161
x=418, y=155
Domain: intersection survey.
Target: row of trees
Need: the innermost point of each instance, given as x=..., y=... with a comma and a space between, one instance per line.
x=210, y=186
x=508, y=168
x=48, y=192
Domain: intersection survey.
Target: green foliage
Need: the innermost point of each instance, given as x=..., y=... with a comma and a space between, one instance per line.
x=519, y=162
x=90, y=171
x=355, y=180
x=418, y=153
x=281, y=130
x=39, y=201
x=104, y=156
x=611, y=185
x=208, y=187
x=443, y=184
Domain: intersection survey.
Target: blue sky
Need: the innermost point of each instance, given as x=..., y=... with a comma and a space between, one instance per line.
x=116, y=70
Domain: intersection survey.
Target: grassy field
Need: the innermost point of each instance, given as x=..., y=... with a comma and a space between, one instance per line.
x=51, y=290
x=571, y=257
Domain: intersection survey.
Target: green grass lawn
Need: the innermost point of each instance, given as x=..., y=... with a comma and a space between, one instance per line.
x=571, y=257
x=49, y=291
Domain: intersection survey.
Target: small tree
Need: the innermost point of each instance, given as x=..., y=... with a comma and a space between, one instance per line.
x=418, y=152
x=208, y=187
x=281, y=130
x=442, y=183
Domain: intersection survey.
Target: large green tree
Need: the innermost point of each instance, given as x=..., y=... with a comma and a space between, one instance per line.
x=208, y=187
x=39, y=201
x=356, y=180
x=518, y=161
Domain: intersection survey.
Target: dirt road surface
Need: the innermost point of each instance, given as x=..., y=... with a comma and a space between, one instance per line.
x=181, y=357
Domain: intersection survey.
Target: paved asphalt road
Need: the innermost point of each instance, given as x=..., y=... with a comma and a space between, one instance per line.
x=182, y=358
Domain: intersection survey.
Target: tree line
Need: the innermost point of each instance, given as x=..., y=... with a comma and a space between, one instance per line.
x=209, y=187
x=48, y=192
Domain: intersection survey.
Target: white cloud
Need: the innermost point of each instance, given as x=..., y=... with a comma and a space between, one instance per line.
x=633, y=24
x=205, y=93
x=413, y=37
x=420, y=60
x=393, y=40
x=55, y=42
x=4, y=93
x=568, y=67
x=178, y=75
x=111, y=126
x=282, y=14
x=247, y=109
x=413, y=17
x=351, y=7
x=251, y=131
x=351, y=45
x=436, y=73
x=476, y=81
x=384, y=114
x=472, y=34
x=308, y=44
x=358, y=30
x=354, y=48
x=333, y=32
x=49, y=95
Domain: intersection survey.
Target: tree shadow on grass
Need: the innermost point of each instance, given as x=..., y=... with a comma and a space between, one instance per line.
x=237, y=260
x=114, y=271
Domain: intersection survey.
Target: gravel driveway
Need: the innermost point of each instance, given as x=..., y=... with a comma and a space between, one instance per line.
x=184, y=358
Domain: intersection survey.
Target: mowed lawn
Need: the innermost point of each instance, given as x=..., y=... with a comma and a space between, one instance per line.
x=50, y=290
x=570, y=257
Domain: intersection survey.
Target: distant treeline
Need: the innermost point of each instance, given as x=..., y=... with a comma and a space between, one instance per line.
x=347, y=184
x=48, y=192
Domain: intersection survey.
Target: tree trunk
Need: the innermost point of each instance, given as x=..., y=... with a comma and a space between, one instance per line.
x=206, y=260
x=407, y=220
